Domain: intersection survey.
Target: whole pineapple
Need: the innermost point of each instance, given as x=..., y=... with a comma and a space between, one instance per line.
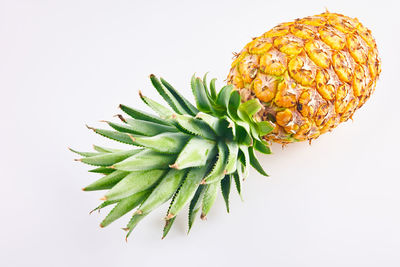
x=293, y=83
x=309, y=74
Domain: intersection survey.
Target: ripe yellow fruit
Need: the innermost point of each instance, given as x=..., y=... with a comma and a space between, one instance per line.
x=310, y=74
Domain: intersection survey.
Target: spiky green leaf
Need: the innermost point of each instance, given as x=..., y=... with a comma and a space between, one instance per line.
x=170, y=143
x=133, y=183
x=226, y=188
x=108, y=159
x=190, y=109
x=194, y=126
x=124, y=206
x=146, y=160
x=187, y=190
x=195, y=205
x=107, y=181
x=209, y=198
x=167, y=96
x=141, y=115
x=255, y=163
x=195, y=153
x=163, y=191
x=117, y=136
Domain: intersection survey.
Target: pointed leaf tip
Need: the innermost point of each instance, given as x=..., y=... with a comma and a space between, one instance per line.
x=169, y=216
x=174, y=166
x=90, y=128
x=119, y=116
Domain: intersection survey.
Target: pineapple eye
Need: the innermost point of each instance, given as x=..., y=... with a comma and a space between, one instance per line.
x=327, y=91
x=273, y=63
x=260, y=45
x=317, y=51
x=302, y=31
x=284, y=117
x=265, y=87
x=359, y=81
x=302, y=70
x=357, y=49
x=332, y=37
x=248, y=68
x=342, y=66
x=284, y=97
x=290, y=45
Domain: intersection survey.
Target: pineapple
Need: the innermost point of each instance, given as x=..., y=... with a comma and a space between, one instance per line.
x=293, y=83
x=310, y=74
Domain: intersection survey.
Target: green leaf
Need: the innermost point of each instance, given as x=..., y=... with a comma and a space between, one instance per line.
x=117, y=136
x=105, y=149
x=141, y=115
x=194, y=126
x=123, y=128
x=199, y=92
x=148, y=128
x=224, y=96
x=195, y=206
x=251, y=107
x=254, y=162
x=195, y=153
x=242, y=134
x=237, y=183
x=187, y=190
x=124, y=206
x=133, y=183
x=162, y=111
x=244, y=159
x=219, y=126
x=167, y=227
x=213, y=92
x=107, y=182
x=108, y=159
x=146, y=160
x=219, y=170
x=167, y=96
x=264, y=127
x=170, y=143
x=226, y=188
x=261, y=147
x=84, y=154
x=209, y=197
x=190, y=109
x=136, y=218
x=163, y=191
x=232, y=157
x=241, y=171
x=103, y=205
x=103, y=170
x=234, y=103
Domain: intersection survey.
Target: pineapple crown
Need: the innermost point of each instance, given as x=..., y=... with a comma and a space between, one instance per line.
x=187, y=153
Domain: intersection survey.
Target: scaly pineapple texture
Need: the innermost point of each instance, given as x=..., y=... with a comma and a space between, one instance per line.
x=310, y=74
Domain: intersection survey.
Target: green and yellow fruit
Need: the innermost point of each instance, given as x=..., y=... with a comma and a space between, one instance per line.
x=310, y=74
x=293, y=83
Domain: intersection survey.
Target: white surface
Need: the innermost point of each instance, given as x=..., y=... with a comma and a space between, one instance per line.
x=67, y=63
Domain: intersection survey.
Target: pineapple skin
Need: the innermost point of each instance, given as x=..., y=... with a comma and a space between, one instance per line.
x=310, y=74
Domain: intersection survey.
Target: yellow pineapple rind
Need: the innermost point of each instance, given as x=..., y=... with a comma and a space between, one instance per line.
x=310, y=74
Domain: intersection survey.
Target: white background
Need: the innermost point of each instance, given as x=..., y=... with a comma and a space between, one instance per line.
x=67, y=63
